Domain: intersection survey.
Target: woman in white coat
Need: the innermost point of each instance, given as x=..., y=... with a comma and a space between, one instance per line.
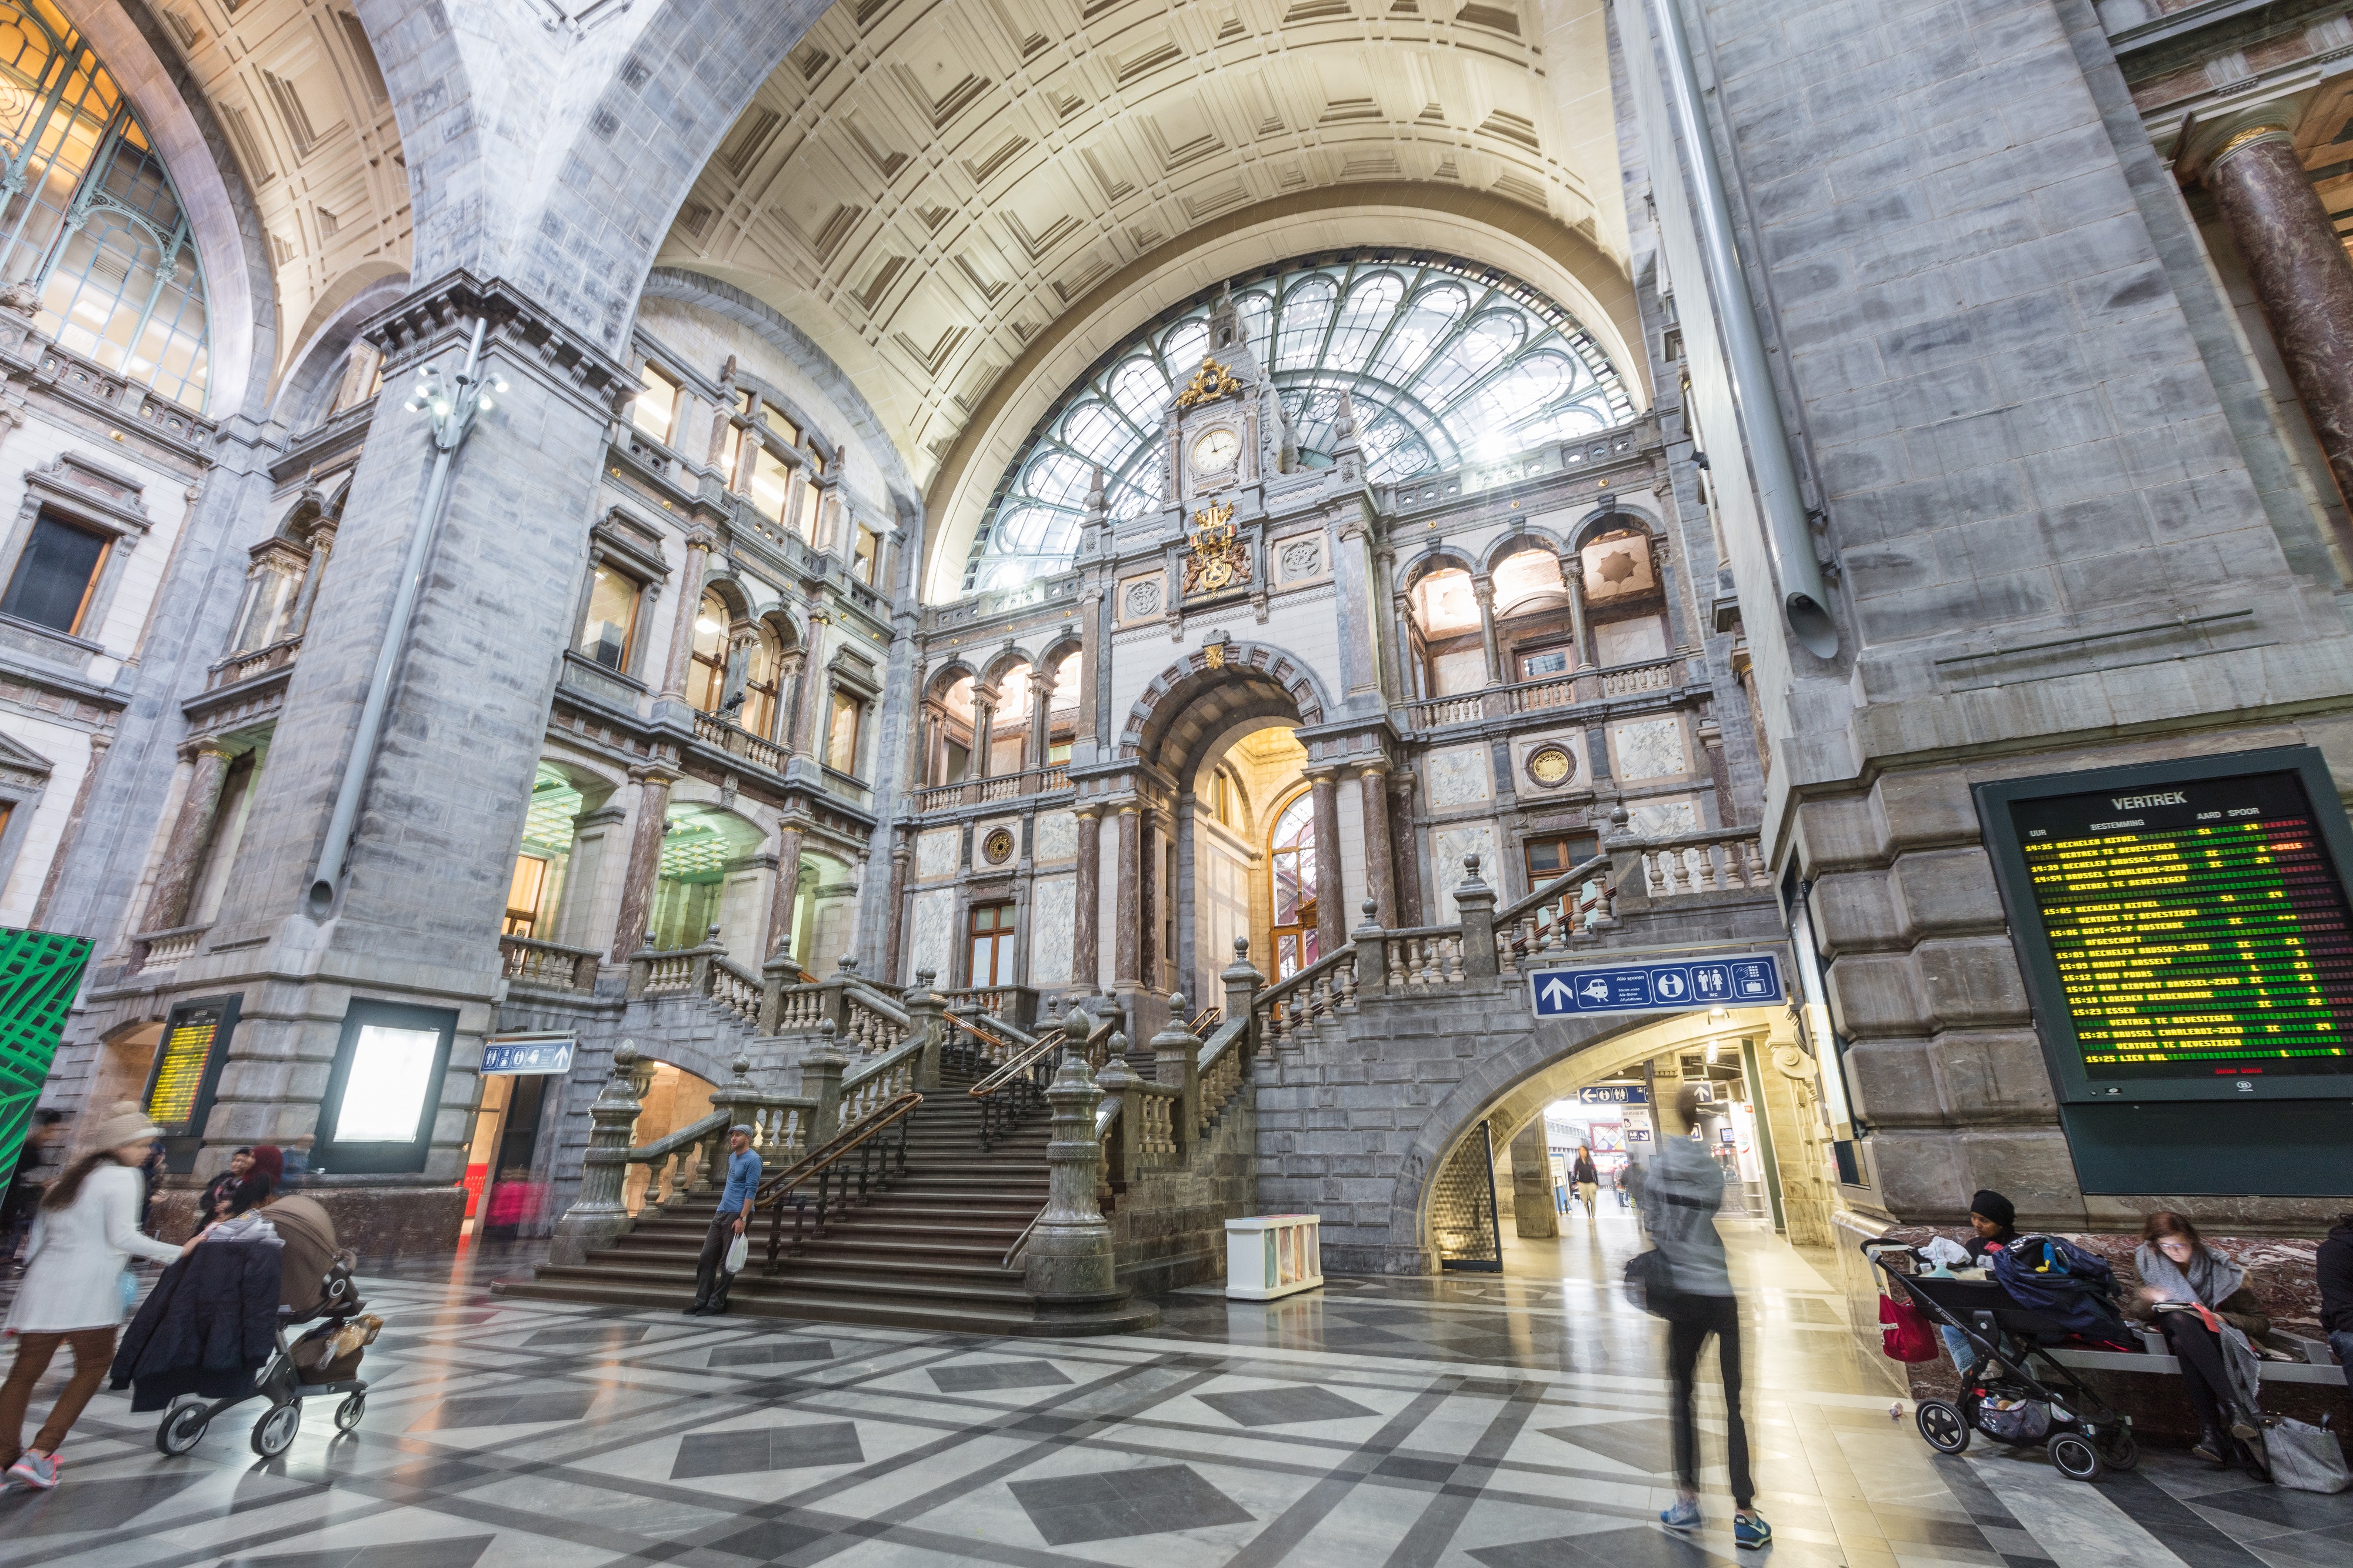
x=85, y=1231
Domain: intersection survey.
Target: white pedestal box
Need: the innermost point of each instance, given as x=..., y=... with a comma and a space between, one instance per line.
x=1273, y=1255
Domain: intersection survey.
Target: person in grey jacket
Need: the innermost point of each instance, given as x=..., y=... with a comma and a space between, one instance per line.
x=1681, y=1191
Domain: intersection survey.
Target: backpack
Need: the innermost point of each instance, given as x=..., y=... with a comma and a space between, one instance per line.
x=2073, y=1288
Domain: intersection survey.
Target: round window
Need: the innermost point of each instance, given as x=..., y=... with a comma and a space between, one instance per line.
x=1551, y=766
x=997, y=847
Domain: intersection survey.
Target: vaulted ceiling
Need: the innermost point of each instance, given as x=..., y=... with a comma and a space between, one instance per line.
x=929, y=187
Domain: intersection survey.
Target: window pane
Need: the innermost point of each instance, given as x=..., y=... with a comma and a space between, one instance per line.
x=1552, y=661
x=861, y=564
x=53, y=576
x=770, y=480
x=807, y=520
x=841, y=742
x=612, y=613
x=657, y=405
x=383, y=1094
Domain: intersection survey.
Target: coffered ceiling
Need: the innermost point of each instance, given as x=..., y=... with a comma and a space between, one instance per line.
x=928, y=187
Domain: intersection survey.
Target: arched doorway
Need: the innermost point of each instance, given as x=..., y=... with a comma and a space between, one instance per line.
x=1291, y=887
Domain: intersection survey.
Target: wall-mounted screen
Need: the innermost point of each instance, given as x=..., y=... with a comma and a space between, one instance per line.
x=2183, y=926
x=385, y=1089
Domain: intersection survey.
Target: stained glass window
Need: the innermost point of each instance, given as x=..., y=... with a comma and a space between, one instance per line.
x=91, y=219
x=1447, y=363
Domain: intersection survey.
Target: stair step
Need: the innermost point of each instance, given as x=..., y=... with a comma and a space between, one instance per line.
x=1002, y=1289
x=954, y=1319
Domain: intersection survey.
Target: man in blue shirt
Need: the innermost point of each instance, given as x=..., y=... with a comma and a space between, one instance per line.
x=711, y=1278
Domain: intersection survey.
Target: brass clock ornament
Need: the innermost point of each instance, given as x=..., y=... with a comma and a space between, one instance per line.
x=1216, y=451
x=1551, y=766
x=997, y=847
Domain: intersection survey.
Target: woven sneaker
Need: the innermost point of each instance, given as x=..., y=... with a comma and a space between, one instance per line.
x=1751, y=1530
x=39, y=1471
x=1684, y=1515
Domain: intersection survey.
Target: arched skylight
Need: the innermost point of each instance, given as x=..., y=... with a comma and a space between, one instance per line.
x=1446, y=363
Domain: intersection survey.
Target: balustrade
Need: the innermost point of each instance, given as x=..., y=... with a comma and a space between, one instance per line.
x=1703, y=863
x=714, y=731
x=525, y=961
x=1552, y=692
x=1001, y=786
x=259, y=661
x=1319, y=992
x=1423, y=957
x=165, y=949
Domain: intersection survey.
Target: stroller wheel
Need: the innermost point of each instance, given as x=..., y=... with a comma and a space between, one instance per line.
x=1942, y=1424
x=182, y=1428
x=274, y=1433
x=348, y=1413
x=2121, y=1451
x=2074, y=1456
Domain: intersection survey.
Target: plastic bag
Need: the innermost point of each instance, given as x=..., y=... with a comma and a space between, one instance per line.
x=2304, y=1457
x=1904, y=1332
x=739, y=1252
x=2015, y=1420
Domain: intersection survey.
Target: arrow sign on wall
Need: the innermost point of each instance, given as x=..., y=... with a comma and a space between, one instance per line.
x=1685, y=985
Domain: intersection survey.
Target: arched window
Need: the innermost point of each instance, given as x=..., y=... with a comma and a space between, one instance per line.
x=92, y=221
x=706, y=681
x=760, y=666
x=1446, y=363
x=1292, y=858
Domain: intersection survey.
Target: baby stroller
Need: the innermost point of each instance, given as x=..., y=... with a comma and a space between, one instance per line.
x=2013, y=1390
x=317, y=1289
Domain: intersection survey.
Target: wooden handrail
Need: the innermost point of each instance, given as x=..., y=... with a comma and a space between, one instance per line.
x=1569, y=880
x=847, y=1141
x=820, y=1165
x=1013, y=1067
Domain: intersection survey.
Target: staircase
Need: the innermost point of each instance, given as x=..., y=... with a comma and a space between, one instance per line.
x=924, y=1251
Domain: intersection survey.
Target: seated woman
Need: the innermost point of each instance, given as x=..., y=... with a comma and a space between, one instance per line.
x=2193, y=1295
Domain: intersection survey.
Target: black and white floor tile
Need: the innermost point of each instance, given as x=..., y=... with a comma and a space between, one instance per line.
x=1496, y=1421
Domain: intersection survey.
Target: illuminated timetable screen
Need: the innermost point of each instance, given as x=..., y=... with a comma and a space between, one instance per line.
x=2184, y=927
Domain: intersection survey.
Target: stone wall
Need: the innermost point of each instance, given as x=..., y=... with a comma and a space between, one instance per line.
x=1168, y=1229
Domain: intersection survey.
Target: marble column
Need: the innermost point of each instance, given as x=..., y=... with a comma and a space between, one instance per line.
x=192, y=834
x=808, y=729
x=788, y=881
x=1042, y=716
x=1572, y=577
x=1380, y=878
x=1090, y=684
x=323, y=545
x=653, y=780
x=902, y=852
x=1482, y=588
x=2304, y=282
x=1147, y=901
x=700, y=539
x=1124, y=949
x=1086, y=923
x=984, y=729
x=1404, y=848
x=1331, y=915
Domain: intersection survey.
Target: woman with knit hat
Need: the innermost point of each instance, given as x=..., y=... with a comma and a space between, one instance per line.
x=1994, y=1218
x=84, y=1233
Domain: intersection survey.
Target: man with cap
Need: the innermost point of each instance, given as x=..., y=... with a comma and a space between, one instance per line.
x=711, y=1278
x=1995, y=1220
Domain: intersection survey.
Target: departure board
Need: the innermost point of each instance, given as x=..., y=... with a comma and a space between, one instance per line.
x=2190, y=929
x=186, y=1062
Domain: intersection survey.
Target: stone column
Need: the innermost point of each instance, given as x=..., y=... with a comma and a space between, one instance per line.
x=2304, y=282
x=323, y=545
x=598, y=1216
x=1089, y=650
x=1147, y=901
x=984, y=729
x=1331, y=918
x=1042, y=716
x=808, y=728
x=1572, y=577
x=653, y=780
x=1380, y=875
x=1482, y=588
x=1070, y=1261
x=192, y=834
x=1405, y=846
x=1086, y=922
x=1409, y=677
x=700, y=539
x=98, y=746
x=788, y=879
x=1534, y=1216
x=1125, y=971
x=902, y=852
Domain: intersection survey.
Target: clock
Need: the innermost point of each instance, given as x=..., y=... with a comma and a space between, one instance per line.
x=1551, y=766
x=1215, y=452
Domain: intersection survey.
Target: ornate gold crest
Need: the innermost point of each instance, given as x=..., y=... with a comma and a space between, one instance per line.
x=1210, y=382
x=1219, y=559
x=1213, y=654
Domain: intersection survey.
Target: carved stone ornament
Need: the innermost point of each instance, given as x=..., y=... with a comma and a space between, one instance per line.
x=1143, y=599
x=997, y=847
x=22, y=298
x=1210, y=382
x=1220, y=559
x=1302, y=558
x=1551, y=766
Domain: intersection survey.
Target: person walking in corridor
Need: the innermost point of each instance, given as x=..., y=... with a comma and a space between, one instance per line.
x=1586, y=1178
x=1681, y=1191
x=711, y=1277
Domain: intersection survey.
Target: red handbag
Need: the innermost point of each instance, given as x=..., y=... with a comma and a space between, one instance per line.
x=1904, y=1333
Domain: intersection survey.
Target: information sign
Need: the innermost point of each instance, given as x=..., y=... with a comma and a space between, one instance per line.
x=1740, y=980
x=187, y=1067
x=2184, y=926
x=528, y=1054
x=1613, y=1094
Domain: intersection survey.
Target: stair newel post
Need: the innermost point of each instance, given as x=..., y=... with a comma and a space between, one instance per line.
x=1372, y=945
x=1070, y=1261
x=1177, y=1063
x=1243, y=983
x=598, y=1217
x=1476, y=900
x=733, y=1098
x=821, y=1073
x=705, y=956
x=779, y=972
x=1120, y=1150
x=641, y=967
x=836, y=987
x=928, y=1013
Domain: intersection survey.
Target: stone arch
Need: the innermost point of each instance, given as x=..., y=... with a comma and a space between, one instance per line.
x=733, y=593
x=1528, y=538
x=779, y=624
x=1437, y=558
x=944, y=681
x=1192, y=701
x=1003, y=663
x=1612, y=519
x=307, y=389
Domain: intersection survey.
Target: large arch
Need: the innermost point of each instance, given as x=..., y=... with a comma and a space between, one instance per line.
x=1190, y=704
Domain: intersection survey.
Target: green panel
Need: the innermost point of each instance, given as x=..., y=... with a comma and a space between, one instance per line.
x=39, y=974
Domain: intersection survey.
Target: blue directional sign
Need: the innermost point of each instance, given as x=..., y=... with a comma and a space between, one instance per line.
x=1613, y=1094
x=530, y=1055
x=1743, y=979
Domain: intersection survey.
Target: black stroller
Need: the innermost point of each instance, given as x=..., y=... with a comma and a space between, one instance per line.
x=321, y=1363
x=2014, y=1390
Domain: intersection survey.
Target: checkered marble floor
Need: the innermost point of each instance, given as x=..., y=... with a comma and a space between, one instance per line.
x=1511, y=1421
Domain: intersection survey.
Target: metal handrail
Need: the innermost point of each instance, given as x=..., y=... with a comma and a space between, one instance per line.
x=1207, y=1018
x=1574, y=879
x=822, y=1163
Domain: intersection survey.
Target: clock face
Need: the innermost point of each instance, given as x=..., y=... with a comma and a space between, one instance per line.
x=1550, y=767
x=1215, y=452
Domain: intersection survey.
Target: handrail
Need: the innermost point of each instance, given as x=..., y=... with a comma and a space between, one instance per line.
x=672, y=1142
x=1228, y=1034
x=817, y=1160
x=1580, y=874
x=820, y=1165
x=1330, y=961
x=1012, y=1068
x=1207, y=1018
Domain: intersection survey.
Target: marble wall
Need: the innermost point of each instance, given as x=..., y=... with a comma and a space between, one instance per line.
x=1447, y=848
x=931, y=940
x=1053, y=907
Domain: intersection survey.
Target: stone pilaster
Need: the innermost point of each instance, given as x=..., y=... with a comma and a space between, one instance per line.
x=652, y=815
x=1331, y=916
x=192, y=834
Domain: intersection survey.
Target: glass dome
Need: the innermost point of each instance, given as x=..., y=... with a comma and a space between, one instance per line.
x=1446, y=363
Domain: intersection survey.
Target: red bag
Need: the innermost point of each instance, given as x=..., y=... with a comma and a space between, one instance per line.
x=1905, y=1334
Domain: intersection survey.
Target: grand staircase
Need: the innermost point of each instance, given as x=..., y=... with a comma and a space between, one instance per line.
x=925, y=1249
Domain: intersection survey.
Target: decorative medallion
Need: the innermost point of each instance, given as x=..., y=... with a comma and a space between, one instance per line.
x=1219, y=559
x=1551, y=766
x=997, y=847
x=1210, y=382
x=1213, y=654
x=1302, y=558
x=1143, y=599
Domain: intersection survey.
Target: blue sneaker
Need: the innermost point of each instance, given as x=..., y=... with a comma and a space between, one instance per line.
x=1684, y=1515
x=1751, y=1532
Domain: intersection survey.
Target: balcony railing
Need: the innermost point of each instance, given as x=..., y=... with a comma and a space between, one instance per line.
x=239, y=666
x=1596, y=685
x=712, y=730
x=158, y=950
x=548, y=967
x=1002, y=786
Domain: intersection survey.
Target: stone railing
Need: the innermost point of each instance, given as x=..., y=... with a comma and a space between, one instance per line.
x=706, y=972
x=239, y=666
x=1013, y=1005
x=157, y=950
x=798, y=1007
x=871, y=1085
x=678, y=1163
x=1575, y=907
x=1224, y=1064
x=1322, y=990
x=1420, y=957
x=1000, y=786
x=714, y=731
x=1594, y=685
x=874, y=1025
x=1719, y=861
x=546, y=966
